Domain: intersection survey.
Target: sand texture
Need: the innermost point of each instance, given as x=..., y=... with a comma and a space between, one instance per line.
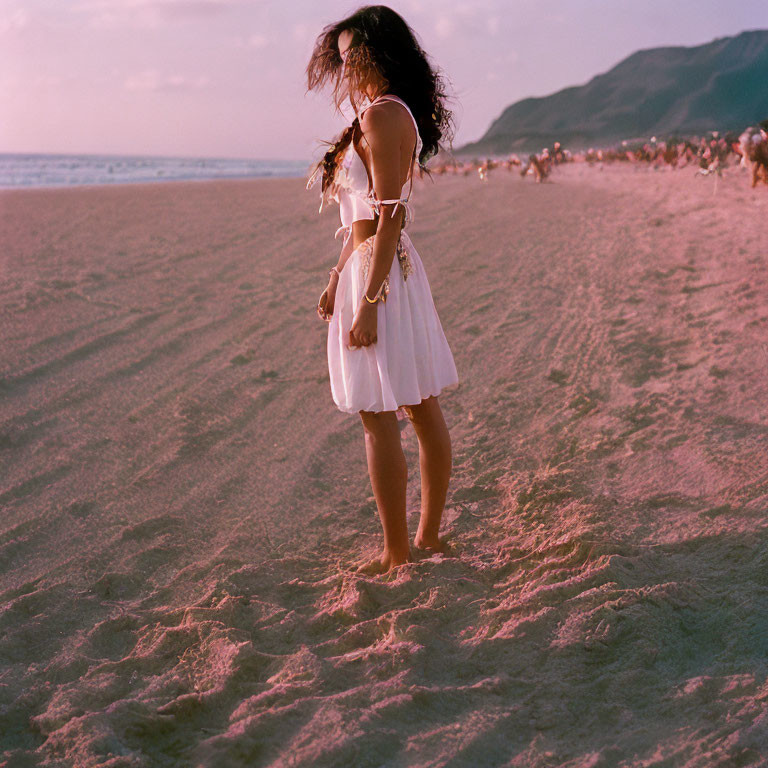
x=181, y=504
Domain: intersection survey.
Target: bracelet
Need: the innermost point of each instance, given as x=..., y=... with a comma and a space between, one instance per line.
x=377, y=298
x=332, y=270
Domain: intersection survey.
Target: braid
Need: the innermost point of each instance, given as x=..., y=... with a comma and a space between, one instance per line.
x=332, y=156
x=331, y=160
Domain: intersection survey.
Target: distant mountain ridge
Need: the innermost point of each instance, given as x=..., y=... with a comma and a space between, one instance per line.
x=722, y=85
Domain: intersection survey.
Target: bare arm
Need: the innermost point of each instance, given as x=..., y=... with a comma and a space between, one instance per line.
x=346, y=252
x=381, y=128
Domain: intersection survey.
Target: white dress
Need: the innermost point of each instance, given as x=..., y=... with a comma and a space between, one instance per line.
x=410, y=359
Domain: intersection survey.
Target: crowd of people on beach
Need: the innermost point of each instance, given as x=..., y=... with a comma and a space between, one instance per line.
x=710, y=154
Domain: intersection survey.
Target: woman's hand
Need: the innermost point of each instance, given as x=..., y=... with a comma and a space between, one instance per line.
x=327, y=300
x=363, y=330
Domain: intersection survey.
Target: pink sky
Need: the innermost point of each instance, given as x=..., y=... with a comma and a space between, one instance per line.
x=225, y=78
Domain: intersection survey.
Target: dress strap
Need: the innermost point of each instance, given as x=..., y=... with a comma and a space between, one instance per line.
x=375, y=101
x=413, y=160
x=401, y=201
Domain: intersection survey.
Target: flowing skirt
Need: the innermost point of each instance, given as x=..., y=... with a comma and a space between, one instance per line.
x=410, y=359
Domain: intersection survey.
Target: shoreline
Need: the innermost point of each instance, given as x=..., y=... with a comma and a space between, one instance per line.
x=570, y=169
x=141, y=183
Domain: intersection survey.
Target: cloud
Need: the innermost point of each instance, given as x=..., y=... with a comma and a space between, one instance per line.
x=192, y=7
x=257, y=41
x=464, y=19
x=151, y=80
x=149, y=13
x=46, y=81
x=14, y=22
x=445, y=26
x=301, y=32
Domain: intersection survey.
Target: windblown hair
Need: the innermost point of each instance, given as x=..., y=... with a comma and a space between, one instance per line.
x=382, y=42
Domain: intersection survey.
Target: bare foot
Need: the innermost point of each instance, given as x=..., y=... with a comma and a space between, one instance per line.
x=429, y=547
x=382, y=564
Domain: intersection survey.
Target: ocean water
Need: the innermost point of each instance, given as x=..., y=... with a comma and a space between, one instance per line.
x=43, y=170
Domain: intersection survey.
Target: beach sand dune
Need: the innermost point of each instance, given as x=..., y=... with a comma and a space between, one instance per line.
x=183, y=505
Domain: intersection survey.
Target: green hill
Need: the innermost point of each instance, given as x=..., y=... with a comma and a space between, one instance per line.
x=722, y=85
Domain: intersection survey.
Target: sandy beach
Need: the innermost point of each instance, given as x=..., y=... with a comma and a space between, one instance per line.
x=181, y=503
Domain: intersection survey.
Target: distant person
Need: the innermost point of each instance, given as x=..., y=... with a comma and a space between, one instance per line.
x=386, y=346
x=671, y=155
x=535, y=167
x=753, y=147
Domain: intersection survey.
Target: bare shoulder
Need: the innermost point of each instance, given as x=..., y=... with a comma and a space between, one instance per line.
x=386, y=120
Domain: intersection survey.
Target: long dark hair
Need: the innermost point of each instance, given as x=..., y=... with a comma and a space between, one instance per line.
x=382, y=42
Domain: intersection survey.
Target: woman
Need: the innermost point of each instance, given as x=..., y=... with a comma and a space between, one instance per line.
x=386, y=347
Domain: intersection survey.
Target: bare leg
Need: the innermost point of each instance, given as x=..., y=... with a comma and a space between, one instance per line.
x=389, y=477
x=435, y=466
